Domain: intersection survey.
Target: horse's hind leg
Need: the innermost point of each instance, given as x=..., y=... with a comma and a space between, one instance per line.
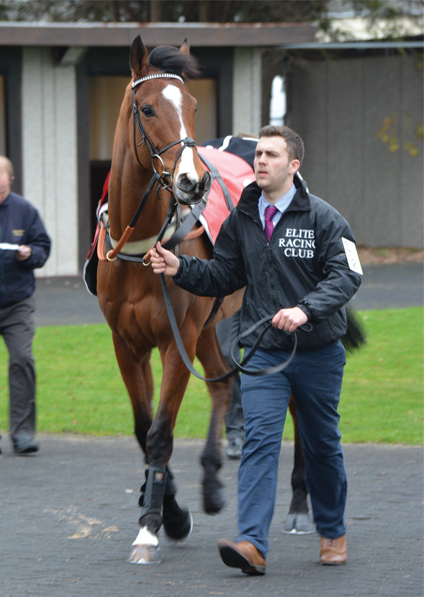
x=298, y=519
x=177, y=522
x=210, y=356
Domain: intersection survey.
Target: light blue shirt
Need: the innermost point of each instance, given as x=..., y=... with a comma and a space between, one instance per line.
x=282, y=204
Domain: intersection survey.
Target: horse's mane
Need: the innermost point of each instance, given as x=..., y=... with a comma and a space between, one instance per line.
x=171, y=60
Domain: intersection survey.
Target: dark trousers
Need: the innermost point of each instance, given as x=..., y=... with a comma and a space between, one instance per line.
x=17, y=329
x=226, y=331
x=315, y=377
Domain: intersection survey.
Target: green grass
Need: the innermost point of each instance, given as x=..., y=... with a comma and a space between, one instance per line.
x=80, y=389
x=382, y=397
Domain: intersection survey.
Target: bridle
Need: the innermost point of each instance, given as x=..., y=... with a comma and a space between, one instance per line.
x=155, y=153
x=159, y=178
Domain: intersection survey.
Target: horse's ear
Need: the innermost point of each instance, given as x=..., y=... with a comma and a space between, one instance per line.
x=185, y=48
x=138, y=57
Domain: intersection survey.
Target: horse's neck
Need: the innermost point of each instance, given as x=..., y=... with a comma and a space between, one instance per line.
x=128, y=185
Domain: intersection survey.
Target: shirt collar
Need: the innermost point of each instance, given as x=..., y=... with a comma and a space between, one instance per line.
x=282, y=203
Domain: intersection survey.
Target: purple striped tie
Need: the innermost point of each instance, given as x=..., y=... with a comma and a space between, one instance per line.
x=270, y=212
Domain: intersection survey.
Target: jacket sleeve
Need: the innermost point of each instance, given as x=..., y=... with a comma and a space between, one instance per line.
x=37, y=238
x=220, y=276
x=339, y=282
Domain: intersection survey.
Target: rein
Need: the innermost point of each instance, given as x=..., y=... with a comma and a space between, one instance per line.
x=307, y=327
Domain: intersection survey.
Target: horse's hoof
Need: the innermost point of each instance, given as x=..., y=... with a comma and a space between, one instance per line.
x=180, y=528
x=144, y=554
x=213, y=503
x=299, y=524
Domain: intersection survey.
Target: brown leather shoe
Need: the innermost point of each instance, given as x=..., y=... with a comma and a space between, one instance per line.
x=333, y=552
x=242, y=555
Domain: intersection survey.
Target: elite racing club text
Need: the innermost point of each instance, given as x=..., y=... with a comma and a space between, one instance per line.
x=298, y=242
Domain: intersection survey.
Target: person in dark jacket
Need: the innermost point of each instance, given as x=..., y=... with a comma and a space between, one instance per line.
x=300, y=264
x=24, y=246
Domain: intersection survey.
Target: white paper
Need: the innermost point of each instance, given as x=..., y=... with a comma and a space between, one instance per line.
x=8, y=247
x=352, y=256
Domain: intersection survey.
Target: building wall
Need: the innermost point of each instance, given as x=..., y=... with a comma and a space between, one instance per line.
x=11, y=70
x=339, y=107
x=49, y=149
x=247, y=91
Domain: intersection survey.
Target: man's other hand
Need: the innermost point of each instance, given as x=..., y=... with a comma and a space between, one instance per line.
x=23, y=253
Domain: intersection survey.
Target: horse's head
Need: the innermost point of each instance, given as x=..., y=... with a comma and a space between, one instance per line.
x=164, y=113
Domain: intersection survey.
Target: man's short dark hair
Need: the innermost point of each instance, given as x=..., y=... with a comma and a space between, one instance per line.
x=295, y=147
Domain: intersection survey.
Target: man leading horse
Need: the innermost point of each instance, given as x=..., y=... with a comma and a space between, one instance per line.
x=297, y=257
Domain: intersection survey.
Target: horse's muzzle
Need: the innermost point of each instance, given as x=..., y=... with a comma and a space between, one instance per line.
x=190, y=192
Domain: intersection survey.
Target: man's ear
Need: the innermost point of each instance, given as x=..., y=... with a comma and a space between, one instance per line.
x=294, y=167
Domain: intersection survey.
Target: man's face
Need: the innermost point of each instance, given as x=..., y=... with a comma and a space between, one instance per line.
x=5, y=184
x=274, y=170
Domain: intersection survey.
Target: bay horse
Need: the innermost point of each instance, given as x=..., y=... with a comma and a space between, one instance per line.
x=151, y=163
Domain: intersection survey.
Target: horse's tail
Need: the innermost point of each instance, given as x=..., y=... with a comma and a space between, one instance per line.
x=355, y=336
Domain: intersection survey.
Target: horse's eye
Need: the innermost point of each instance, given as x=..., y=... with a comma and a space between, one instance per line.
x=148, y=111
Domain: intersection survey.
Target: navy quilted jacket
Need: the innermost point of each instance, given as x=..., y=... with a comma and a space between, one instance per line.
x=20, y=224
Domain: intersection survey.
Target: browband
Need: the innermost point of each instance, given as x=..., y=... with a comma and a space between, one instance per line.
x=157, y=76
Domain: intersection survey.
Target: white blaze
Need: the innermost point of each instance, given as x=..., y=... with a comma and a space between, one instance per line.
x=186, y=166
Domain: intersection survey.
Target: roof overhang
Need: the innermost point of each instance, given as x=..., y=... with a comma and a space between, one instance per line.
x=358, y=45
x=153, y=34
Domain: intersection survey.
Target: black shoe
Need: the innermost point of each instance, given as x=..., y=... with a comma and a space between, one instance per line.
x=233, y=451
x=24, y=444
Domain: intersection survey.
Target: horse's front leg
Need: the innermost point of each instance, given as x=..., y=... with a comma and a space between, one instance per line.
x=137, y=376
x=209, y=354
x=158, y=504
x=138, y=379
x=298, y=519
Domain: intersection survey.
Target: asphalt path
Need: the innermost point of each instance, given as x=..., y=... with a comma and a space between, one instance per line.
x=69, y=513
x=65, y=300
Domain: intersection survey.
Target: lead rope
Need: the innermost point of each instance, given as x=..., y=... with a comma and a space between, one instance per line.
x=307, y=327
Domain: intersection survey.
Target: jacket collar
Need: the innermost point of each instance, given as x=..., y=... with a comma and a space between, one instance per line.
x=6, y=201
x=250, y=197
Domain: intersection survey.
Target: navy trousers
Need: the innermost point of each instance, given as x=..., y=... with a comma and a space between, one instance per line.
x=315, y=378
